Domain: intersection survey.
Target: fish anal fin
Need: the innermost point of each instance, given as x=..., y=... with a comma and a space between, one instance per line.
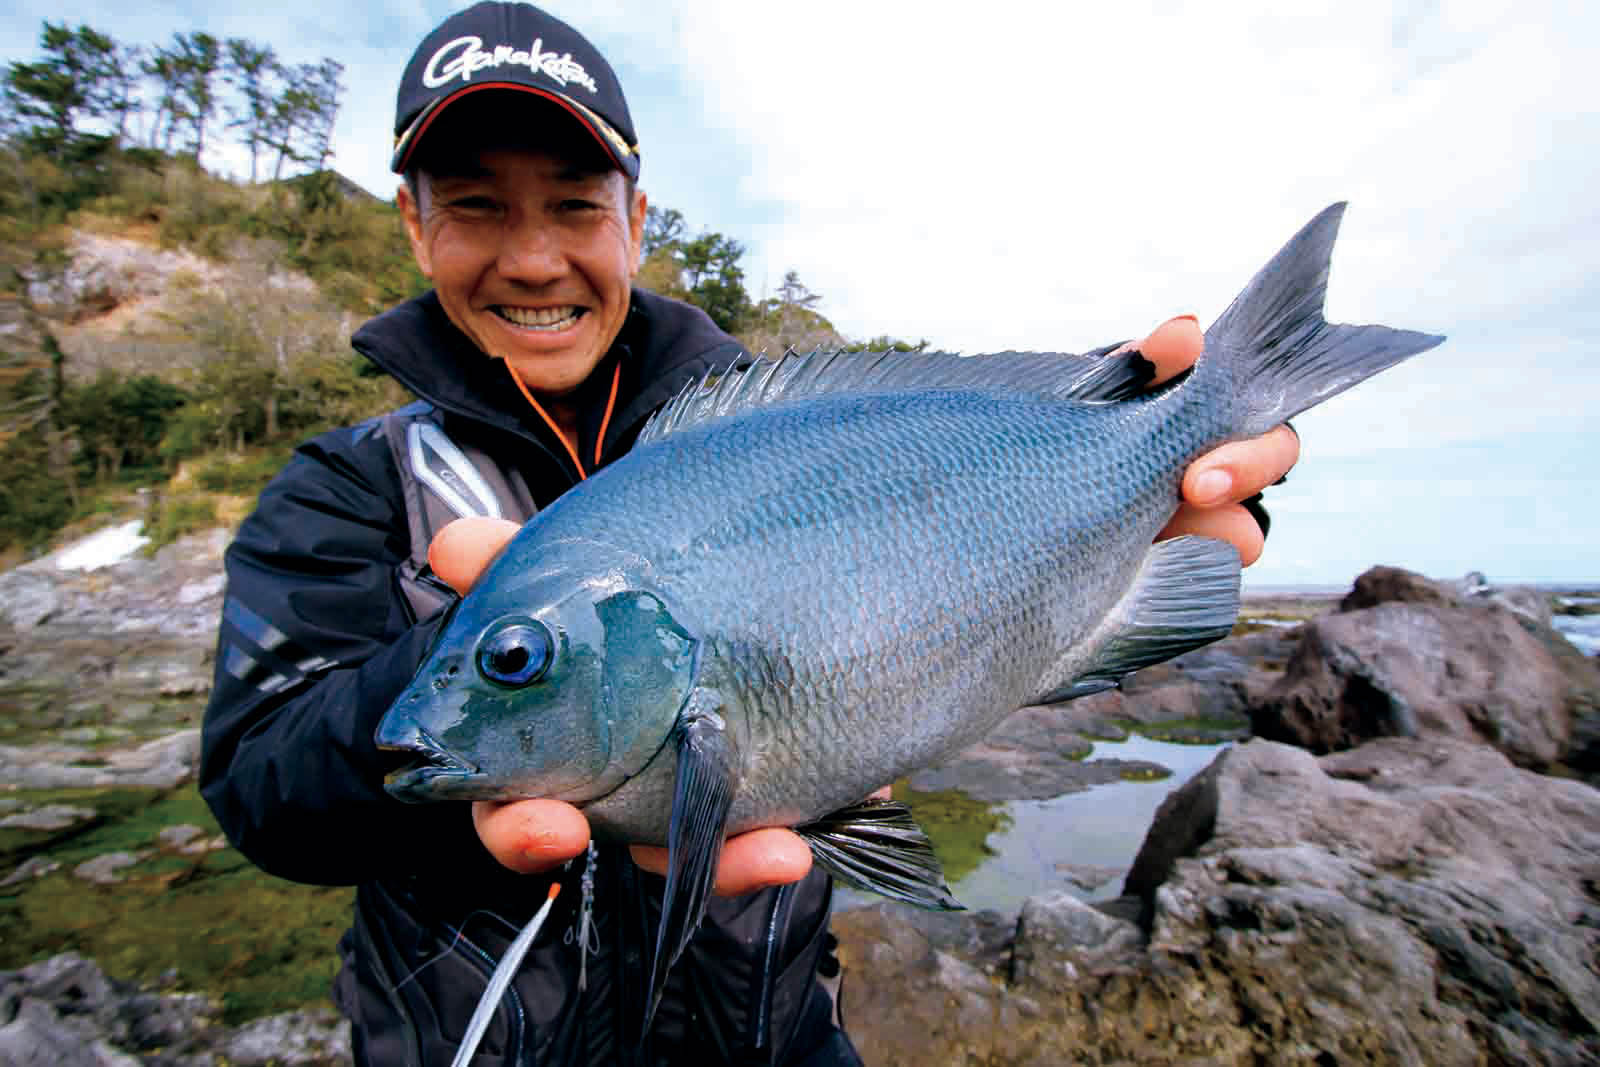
x=1185, y=596
x=877, y=846
x=701, y=801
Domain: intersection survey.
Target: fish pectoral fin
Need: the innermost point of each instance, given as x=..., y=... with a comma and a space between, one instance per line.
x=1185, y=596
x=876, y=845
x=701, y=801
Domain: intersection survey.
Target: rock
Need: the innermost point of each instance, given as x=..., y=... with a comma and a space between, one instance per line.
x=162, y=763
x=49, y=817
x=33, y=867
x=1381, y=585
x=1087, y=876
x=295, y=1039
x=67, y=1008
x=1059, y=937
x=1426, y=667
x=176, y=837
x=37, y=1035
x=1409, y=901
x=102, y=870
x=27, y=599
x=996, y=775
x=203, y=589
x=1033, y=754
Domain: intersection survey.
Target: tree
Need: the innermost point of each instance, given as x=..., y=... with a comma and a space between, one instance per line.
x=51, y=95
x=301, y=125
x=196, y=59
x=251, y=70
x=714, y=279
x=789, y=319
x=663, y=230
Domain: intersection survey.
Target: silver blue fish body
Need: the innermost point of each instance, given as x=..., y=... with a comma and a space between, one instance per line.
x=810, y=579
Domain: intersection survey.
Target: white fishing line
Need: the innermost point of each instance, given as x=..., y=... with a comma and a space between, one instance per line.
x=503, y=973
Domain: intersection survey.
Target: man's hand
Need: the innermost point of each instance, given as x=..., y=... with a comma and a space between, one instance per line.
x=1215, y=483
x=530, y=836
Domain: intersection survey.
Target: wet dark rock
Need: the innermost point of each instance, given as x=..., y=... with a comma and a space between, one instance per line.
x=1284, y=897
x=1432, y=665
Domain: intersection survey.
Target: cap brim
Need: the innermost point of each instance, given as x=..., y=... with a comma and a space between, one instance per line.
x=616, y=147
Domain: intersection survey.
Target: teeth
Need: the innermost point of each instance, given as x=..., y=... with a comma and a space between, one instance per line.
x=558, y=318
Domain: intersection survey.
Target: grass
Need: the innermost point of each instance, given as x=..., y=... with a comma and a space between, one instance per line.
x=958, y=826
x=261, y=944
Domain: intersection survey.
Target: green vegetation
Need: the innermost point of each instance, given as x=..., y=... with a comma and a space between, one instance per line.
x=107, y=137
x=958, y=826
x=262, y=944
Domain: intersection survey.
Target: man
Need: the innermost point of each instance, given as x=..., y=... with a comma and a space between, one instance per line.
x=533, y=355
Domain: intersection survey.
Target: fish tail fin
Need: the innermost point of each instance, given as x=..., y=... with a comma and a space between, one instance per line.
x=1284, y=356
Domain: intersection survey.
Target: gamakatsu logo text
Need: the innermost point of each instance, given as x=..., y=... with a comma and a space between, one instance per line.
x=464, y=57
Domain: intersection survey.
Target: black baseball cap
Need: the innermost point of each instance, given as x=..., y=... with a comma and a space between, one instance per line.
x=494, y=45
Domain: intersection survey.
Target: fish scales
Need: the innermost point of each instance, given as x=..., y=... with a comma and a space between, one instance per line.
x=809, y=579
x=908, y=557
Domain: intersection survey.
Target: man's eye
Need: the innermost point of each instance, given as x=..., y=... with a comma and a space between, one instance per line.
x=576, y=204
x=473, y=203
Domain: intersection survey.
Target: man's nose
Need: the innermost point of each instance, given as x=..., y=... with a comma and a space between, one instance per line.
x=531, y=251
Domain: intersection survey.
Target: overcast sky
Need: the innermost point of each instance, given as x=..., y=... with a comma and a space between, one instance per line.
x=1018, y=175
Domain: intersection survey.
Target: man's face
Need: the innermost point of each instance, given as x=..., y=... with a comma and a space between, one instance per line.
x=532, y=252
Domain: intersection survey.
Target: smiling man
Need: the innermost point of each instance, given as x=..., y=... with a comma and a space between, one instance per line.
x=536, y=362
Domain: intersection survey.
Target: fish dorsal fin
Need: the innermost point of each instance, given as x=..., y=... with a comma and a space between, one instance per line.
x=794, y=376
x=1186, y=595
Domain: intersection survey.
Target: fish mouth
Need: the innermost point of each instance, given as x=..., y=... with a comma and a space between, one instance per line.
x=434, y=771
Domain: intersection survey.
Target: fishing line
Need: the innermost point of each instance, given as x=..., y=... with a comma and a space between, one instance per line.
x=503, y=973
x=457, y=935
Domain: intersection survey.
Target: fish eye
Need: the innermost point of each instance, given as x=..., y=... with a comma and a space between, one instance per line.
x=516, y=653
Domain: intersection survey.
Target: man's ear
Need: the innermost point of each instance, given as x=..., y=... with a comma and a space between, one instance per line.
x=411, y=219
x=640, y=206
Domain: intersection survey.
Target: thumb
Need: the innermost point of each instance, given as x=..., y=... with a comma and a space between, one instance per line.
x=461, y=551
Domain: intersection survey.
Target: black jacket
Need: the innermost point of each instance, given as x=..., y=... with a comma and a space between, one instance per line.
x=317, y=639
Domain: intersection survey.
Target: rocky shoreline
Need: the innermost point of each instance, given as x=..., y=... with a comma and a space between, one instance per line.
x=1401, y=865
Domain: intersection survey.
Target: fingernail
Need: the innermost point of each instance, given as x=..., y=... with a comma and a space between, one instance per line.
x=1181, y=318
x=1211, y=485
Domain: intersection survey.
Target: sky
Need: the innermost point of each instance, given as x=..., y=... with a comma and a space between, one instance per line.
x=1053, y=177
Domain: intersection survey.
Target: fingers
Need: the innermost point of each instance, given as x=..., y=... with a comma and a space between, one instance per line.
x=1241, y=469
x=461, y=551
x=530, y=836
x=755, y=860
x=1230, y=523
x=1173, y=347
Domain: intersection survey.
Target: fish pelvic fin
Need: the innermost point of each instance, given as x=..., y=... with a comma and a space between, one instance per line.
x=877, y=846
x=701, y=800
x=1186, y=595
x=1284, y=356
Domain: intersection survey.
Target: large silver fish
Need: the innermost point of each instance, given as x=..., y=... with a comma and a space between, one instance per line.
x=813, y=577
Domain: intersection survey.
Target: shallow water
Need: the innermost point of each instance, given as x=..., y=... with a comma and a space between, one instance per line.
x=1582, y=630
x=1102, y=827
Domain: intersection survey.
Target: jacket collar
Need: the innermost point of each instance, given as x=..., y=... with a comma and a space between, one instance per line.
x=663, y=345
